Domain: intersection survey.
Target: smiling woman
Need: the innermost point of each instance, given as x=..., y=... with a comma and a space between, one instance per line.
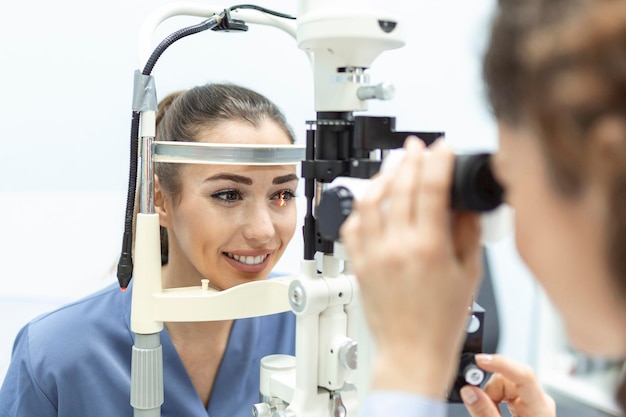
x=229, y=224
x=222, y=215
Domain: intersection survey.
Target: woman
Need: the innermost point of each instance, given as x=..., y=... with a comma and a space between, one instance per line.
x=556, y=76
x=228, y=224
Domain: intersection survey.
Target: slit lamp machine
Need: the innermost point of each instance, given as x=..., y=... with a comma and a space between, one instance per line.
x=329, y=373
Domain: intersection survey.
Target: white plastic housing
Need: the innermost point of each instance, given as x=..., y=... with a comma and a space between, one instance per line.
x=343, y=35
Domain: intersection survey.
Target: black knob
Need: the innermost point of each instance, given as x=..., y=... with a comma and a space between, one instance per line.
x=334, y=207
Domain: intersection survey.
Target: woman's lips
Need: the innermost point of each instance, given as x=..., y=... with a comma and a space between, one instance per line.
x=247, y=263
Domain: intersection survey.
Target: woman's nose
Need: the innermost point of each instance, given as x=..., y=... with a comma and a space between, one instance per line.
x=258, y=225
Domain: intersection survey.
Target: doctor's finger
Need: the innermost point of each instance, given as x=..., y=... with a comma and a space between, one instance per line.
x=467, y=243
x=478, y=403
x=433, y=207
x=405, y=185
x=500, y=389
x=520, y=375
x=349, y=233
x=370, y=207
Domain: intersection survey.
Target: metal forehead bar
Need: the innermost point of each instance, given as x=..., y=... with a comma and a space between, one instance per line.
x=230, y=154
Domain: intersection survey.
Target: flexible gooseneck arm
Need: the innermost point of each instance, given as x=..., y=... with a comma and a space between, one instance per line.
x=168, y=10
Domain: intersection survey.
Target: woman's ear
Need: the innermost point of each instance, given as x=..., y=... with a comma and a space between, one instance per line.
x=607, y=149
x=161, y=203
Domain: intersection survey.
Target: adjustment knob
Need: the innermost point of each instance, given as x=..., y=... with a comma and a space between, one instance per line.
x=348, y=354
x=334, y=207
x=262, y=410
x=474, y=375
x=382, y=91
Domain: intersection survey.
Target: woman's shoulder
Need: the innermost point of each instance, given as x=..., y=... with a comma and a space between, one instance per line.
x=99, y=306
x=91, y=320
x=67, y=347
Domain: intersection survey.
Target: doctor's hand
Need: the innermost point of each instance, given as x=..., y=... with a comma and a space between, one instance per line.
x=418, y=265
x=513, y=383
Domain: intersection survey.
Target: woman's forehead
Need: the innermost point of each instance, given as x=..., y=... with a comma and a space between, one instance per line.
x=249, y=171
x=243, y=132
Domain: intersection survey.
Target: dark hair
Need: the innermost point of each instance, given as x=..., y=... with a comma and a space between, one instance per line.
x=182, y=115
x=514, y=21
x=565, y=61
x=578, y=99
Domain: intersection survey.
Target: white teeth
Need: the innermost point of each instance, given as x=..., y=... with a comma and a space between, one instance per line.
x=249, y=260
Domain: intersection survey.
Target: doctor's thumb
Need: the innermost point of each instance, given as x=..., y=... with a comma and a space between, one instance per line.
x=478, y=403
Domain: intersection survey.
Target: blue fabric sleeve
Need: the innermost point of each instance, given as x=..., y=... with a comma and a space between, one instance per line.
x=399, y=404
x=20, y=396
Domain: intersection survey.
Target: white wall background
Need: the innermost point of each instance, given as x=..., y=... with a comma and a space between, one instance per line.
x=66, y=72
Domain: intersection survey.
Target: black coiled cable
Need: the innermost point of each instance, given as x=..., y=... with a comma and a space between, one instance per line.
x=125, y=264
x=261, y=9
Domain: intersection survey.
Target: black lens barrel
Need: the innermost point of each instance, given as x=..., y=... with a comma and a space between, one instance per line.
x=474, y=187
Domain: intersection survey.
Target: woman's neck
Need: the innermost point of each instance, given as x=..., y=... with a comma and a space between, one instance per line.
x=201, y=347
x=205, y=334
x=173, y=276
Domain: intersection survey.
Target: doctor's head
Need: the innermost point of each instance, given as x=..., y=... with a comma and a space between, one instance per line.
x=227, y=223
x=556, y=77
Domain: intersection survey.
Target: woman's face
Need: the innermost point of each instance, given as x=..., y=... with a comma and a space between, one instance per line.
x=563, y=240
x=230, y=224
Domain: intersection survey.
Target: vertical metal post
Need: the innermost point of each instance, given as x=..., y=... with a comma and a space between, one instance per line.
x=146, y=203
x=146, y=394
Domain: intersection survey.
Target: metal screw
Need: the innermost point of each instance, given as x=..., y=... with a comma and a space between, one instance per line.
x=474, y=375
x=297, y=296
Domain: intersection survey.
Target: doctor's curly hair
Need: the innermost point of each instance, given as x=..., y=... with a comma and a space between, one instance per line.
x=560, y=67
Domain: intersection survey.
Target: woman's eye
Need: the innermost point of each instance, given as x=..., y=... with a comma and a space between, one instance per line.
x=283, y=197
x=227, y=195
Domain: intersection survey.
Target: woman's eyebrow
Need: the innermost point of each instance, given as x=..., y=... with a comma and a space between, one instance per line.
x=285, y=178
x=231, y=177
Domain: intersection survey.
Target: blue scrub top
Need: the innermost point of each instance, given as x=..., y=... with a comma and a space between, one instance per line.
x=75, y=362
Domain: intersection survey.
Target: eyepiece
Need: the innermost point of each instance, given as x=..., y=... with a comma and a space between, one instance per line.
x=474, y=187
